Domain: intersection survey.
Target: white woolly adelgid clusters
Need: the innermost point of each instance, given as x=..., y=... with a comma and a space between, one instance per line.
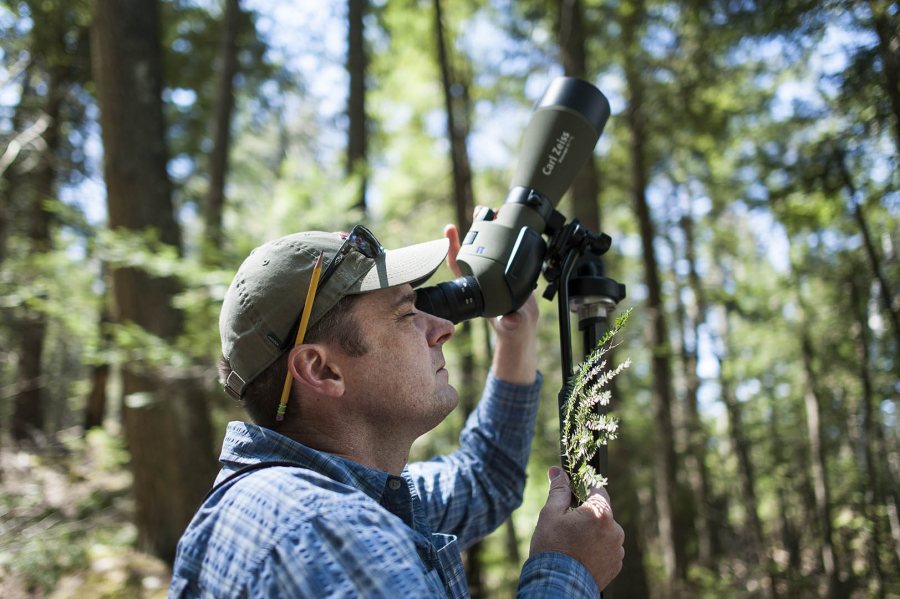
x=586, y=424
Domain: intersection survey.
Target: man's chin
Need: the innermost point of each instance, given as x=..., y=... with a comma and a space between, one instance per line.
x=450, y=397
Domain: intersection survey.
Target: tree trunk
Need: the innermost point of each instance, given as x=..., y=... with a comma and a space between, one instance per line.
x=128, y=73
x=27, y=422
x=746, y=474
x=95, y=406
x=456, y=105
x=821, y=488
x=214, y=202
x=671, y=535
x=632, y=582
x=787, y=528
x=357, y=132
x=885, y=26
x=10, y=181
x=874, y=493
x=887, y=295
x=165, y=466
x=573, y=56
x=698, y=474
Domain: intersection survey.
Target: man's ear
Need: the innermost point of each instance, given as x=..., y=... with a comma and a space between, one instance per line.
x=314, y=372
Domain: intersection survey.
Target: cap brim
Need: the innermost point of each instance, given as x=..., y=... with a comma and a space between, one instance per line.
x=413, y=264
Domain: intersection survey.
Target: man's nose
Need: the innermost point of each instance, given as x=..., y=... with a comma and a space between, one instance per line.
x=439, y=330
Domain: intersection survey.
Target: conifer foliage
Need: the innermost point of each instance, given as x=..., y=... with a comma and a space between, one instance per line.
x=587, y=424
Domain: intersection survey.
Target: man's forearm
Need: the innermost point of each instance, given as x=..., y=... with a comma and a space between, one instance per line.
x=515, y=363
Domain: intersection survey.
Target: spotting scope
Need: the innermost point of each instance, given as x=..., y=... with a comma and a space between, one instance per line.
x=501, y=256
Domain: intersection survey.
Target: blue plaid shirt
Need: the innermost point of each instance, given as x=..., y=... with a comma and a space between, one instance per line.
x=330, y=527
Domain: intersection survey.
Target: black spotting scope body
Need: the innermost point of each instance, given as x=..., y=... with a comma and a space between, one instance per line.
x=502, y=254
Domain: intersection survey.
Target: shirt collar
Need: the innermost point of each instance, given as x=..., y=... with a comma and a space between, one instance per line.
x=247, y=443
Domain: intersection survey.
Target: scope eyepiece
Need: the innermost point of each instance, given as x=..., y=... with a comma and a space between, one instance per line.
x=453, y=300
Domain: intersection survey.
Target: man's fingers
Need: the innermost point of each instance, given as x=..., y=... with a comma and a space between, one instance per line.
x=598, y=502
x=560, y=493
x=451, y=232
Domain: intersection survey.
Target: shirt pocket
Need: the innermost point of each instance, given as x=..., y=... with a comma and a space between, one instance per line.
x=450, y=560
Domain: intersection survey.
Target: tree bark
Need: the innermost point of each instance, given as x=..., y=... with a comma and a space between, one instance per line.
x=746, y=471
x=821, y=489
x=672, y=537
x=573, y=56
x=869, y=438
x=357, y=132
x=456, y=106
x=886, y=290
x=10, y=181
x=787, y=528
x=128, y=74
x=885, y=26
x=214, y=201
x=95, y=406
x=27, y=422
x=698, y=474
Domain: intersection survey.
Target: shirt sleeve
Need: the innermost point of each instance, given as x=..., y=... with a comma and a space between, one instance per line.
x=349, y=552
x=555, y=575
x=472, y=491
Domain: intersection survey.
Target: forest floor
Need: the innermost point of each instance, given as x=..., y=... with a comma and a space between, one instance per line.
x=66, y=523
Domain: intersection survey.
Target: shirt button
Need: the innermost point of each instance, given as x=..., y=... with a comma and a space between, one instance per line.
x=394, y=484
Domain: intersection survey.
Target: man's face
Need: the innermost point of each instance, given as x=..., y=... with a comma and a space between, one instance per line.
x=401, y=382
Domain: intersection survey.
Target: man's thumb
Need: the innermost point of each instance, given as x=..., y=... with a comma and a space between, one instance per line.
x=560, y=494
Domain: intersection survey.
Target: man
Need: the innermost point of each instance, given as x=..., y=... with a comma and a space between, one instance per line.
x=318, y=499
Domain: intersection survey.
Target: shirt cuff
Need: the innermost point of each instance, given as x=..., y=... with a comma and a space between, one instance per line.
x=553, y=574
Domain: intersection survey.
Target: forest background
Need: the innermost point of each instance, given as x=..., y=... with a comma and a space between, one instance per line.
x=748, y=178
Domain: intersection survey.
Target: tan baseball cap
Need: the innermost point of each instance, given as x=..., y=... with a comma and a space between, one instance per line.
x=264, y=301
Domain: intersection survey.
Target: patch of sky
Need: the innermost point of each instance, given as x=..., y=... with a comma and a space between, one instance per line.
x=708, y=399
x=180, y=167
x=311, y=42
x=396, y=118
x=771, y=236
x=538, y=82
x=9, y=95
x=181, y=97
x=482, y=40
x=21, y=23
x=747, y=390
x=841, y=39
x=663, y=251
x=659, y=41
x=793, y=95
x=88, y=196
x=435, y=122
x=499, y=128
x=789, y=311
x=637, y=293
x=612, y=84
x=891, y=201
x=884, y=165
x=889, y=412
x=630, y=245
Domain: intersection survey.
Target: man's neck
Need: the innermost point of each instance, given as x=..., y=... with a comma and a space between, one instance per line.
x=353, y=444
